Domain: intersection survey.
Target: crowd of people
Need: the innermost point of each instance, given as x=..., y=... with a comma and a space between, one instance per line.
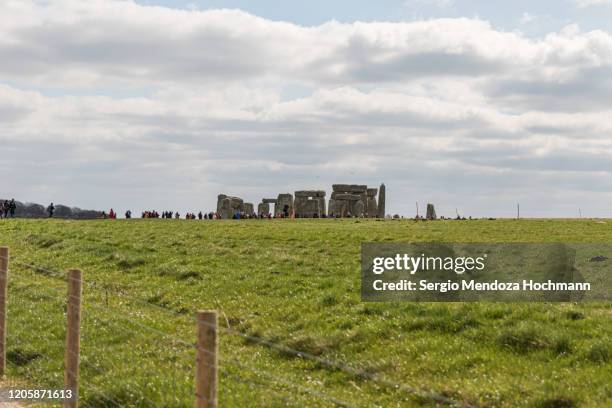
x=193, y=216
x=112, y=214
x=174, y=215
x=154, y=214
x=190, y=215
x=7, y=208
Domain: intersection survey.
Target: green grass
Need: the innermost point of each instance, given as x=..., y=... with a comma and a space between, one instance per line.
x=295, y=284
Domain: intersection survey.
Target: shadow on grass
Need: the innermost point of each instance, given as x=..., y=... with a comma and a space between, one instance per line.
x=556, y=402
x=21, y=358
x=525, y=339
x=42, y=241
x=121, y=397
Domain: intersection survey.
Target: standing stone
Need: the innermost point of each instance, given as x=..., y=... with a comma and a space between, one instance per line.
x=220, y=199
x=225, y=208
x=343, y=208
x=263, y=209
x=372, y=207
x=381, y=201
x=249, y=209
x=332, y=207
x=358, y=208
x=228, y=206
x=284, y=205
x=322, y=207
x=431, y=212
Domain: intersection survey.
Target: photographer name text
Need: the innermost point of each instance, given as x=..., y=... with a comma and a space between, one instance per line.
x=424, y=285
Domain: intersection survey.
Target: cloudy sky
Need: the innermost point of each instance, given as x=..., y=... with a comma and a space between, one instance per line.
x=474, y=105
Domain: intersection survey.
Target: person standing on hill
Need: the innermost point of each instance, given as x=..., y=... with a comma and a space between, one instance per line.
x=51, y=210
x=12, y=207
x=128, y=214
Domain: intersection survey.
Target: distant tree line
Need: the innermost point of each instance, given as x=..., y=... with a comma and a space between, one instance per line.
x=33, y=210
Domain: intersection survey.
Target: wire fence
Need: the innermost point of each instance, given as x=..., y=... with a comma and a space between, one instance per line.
x=139, y=356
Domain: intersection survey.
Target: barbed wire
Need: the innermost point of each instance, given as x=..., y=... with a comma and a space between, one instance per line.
x=240, y=364
x=339, y=365
x=328, y=363
x=235, y=362
x=286, y=397
x=81, y=382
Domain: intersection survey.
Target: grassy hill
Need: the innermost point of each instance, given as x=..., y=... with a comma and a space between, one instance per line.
x=290, y=285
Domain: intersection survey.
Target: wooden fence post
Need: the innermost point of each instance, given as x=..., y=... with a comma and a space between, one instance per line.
x=4, y=261
x=73, y=337
x=206, y=360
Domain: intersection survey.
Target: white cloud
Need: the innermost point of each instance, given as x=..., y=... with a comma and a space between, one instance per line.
x=589, y=3
x=104, y=102
x=125, y=44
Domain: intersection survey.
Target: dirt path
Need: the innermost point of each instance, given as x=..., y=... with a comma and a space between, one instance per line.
x=11, y=405
x=9, y=383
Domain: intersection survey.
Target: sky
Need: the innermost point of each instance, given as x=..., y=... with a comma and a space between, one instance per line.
x=474, y=106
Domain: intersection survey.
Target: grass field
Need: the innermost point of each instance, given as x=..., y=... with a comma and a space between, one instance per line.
x=294, y=284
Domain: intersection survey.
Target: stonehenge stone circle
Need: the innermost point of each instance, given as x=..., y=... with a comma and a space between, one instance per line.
x=346, y=200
